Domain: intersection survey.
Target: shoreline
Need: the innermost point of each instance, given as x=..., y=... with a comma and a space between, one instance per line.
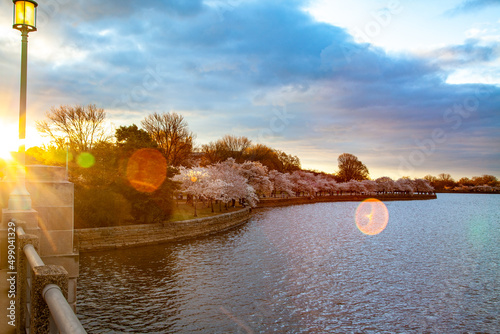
x=117, y=237
x=279, y=202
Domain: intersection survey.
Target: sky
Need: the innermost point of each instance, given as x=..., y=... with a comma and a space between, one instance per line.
x=409, y=87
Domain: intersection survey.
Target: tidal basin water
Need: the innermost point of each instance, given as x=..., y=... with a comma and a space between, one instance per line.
x=308, y=269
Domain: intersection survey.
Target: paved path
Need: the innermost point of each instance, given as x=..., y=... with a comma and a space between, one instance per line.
x=5, y=328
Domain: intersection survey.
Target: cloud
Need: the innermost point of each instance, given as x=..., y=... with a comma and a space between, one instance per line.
x=468, y=6
x=472, y=51
x=229, y=66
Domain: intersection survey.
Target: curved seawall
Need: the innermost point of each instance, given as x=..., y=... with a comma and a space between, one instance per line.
x=104, y=238
x=96, y=239
x=274, y=202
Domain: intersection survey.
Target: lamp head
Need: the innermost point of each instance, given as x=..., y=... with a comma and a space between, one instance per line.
x=25, y=15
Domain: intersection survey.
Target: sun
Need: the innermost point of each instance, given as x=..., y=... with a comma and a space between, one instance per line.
x=8, y=140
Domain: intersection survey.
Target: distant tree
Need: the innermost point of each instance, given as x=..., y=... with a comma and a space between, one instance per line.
x=210, y=153
x=465, y=181
x=350, y=168
x=234, y=147
x=444, y=181
x=263, y=154
x=171, y=133
x=488, y=180
x=227, y=147
x=289, y=163
x=83, y=126
x=131, y=137
x=241, y=149
x=431, y=179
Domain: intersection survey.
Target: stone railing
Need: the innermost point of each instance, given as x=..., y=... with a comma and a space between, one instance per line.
x=94, y=239
x=41, y=291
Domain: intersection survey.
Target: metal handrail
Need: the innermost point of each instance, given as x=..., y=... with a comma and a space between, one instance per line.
x=32, y=256
x=64, y=317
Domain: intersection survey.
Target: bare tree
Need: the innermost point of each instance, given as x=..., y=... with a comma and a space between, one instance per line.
x=227, y=147
x=84, y=126
x=171, y=134
x=235, y=145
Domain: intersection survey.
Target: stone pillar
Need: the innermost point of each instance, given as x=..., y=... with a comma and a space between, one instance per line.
x=52, y=196
x=51, y=219
x=41, y=276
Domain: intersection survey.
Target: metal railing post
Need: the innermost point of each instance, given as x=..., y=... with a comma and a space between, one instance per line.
x=42, y=292
x=23, y=268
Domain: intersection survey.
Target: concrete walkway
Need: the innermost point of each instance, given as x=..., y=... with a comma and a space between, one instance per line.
x=5, y=328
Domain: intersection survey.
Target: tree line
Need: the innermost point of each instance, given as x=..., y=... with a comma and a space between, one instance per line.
x=135, y=173
x=444, y=182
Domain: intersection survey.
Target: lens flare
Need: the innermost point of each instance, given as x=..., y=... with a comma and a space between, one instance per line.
x=372, y=216
x=146, y=170
x=85, y=159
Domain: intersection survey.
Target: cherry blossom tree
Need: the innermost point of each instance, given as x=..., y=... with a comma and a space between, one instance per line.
x=214, y=190
x=404, y=185
x=370, y=186
x=355, y=187
x=236, y=187
x=281, y=183
x=257, y=176
x=332, y=186
x=193, y=182
x=423, y=186
x=385, y=184
x=303, y=183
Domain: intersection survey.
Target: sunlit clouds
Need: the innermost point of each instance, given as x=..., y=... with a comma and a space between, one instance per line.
x=374, y=78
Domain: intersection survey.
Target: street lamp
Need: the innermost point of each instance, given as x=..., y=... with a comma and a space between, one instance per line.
x=24, y=21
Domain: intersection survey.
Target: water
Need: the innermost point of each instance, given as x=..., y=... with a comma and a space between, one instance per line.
x=308, y=269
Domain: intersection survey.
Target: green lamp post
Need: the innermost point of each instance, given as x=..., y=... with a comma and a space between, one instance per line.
x=24, y=21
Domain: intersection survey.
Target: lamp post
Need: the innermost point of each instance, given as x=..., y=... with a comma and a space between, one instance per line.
x=24, y=21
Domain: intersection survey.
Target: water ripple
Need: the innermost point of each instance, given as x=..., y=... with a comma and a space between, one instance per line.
x=308, y=269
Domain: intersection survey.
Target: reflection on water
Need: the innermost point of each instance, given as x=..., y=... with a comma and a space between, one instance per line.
x=308, y=269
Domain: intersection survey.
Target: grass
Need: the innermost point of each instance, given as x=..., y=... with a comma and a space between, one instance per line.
x=183, y=211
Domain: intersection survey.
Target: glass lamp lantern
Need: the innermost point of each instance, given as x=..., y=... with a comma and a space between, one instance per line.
x=25, y=15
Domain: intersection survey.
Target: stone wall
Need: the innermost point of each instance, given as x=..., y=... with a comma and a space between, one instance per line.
x=94, y=239
x=275, y=202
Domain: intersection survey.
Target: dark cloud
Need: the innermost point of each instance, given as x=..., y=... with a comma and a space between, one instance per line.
x=231, y=70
